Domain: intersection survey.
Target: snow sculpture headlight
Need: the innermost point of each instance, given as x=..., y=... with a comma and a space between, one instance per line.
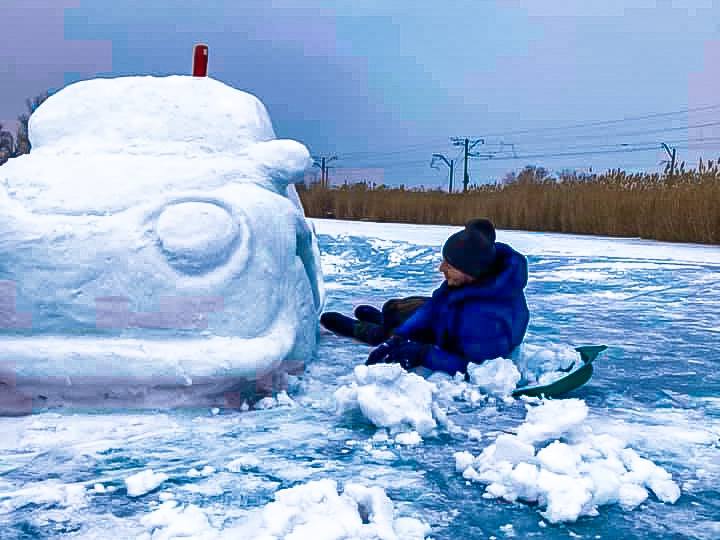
x=196, y=236
x=202, y=241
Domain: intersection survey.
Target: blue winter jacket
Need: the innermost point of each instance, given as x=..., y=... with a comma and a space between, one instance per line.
x=475, y=322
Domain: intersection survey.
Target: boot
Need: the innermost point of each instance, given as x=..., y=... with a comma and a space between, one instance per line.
x=369, y=314
x=342, y=325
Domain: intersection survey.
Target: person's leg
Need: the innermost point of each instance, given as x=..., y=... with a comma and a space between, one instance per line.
x=368, y=313
x=394, y=313
x=367, y=332
x=397, y=310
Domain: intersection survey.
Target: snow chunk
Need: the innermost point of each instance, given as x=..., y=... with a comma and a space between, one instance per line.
x=207, y=470
x=281, y=400
x=170, y=521
x=41, y=493
x=631, y=496
x=390, y=397
x=552, y=419
x=243, y=462
x=557, y=462
x=559, y=458
x=195, y=230
x=498, y=377
x=409, y=438
x=144, y=482
x=644, y=471
x=315, y=508
x=541, y=365
x=304, y=511
x=513, y=450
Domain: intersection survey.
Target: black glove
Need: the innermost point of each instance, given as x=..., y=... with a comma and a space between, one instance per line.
x=409, y=354
x=380, y=353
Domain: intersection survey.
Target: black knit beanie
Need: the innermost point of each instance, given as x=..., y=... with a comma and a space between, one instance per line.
x=472, y=250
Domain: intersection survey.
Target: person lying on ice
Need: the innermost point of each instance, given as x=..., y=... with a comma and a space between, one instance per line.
x=478, y=313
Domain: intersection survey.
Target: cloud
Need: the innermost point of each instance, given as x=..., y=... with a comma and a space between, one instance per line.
x=38, y=56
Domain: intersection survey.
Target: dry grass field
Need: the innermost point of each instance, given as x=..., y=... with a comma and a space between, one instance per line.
x=684, y=207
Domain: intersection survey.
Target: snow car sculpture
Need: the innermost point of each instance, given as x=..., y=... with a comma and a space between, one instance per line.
x=153, y=250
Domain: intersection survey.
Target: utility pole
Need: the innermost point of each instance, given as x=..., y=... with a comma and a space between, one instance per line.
x=468, y=145
x=672, y=158
x=450, y=163
x=322, y=162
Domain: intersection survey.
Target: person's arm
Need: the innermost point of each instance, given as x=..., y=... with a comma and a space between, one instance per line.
x=481, y=338
x=419, y=323
x=438, y=359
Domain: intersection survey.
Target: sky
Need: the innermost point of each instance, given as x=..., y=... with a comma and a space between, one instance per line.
x=583, y=85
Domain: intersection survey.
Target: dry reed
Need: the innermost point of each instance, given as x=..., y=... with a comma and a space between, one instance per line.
x=684, y=207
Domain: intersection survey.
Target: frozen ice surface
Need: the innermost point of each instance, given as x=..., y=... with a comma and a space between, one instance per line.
x=654, y=391
x=153, y=235
x=530, y=243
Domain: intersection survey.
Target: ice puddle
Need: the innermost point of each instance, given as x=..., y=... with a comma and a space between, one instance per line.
x=553, y=459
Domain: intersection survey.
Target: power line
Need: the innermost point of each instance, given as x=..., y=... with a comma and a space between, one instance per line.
x=582, y=150
x=629, y=133
x=426, y=147
x=591, y=146
x=579, y=153
x=616, y=148
x=401, y=150
x=604, y=122
x=626, y=144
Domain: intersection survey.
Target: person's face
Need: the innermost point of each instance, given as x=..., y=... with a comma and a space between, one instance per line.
x=453, y=276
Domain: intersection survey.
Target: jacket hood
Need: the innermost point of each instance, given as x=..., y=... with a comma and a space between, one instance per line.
x=509, y=281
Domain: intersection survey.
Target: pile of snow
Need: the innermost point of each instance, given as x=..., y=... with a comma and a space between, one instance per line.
x=485, y=384
x=144, y=482
x=410, y=407
x=312, y=510
x=498, y=378
x=392, y=398
x=282, y=399
x=541, y=365
x=50, y=492
x=172, y=521
x=559, y=463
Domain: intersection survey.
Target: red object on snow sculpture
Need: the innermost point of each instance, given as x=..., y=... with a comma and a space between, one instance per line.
x=200, y=60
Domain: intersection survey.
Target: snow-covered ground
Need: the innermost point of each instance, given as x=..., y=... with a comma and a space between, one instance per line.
x=377, y=453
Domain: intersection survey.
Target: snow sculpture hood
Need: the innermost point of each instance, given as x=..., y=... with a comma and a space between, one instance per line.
x=100, y=145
